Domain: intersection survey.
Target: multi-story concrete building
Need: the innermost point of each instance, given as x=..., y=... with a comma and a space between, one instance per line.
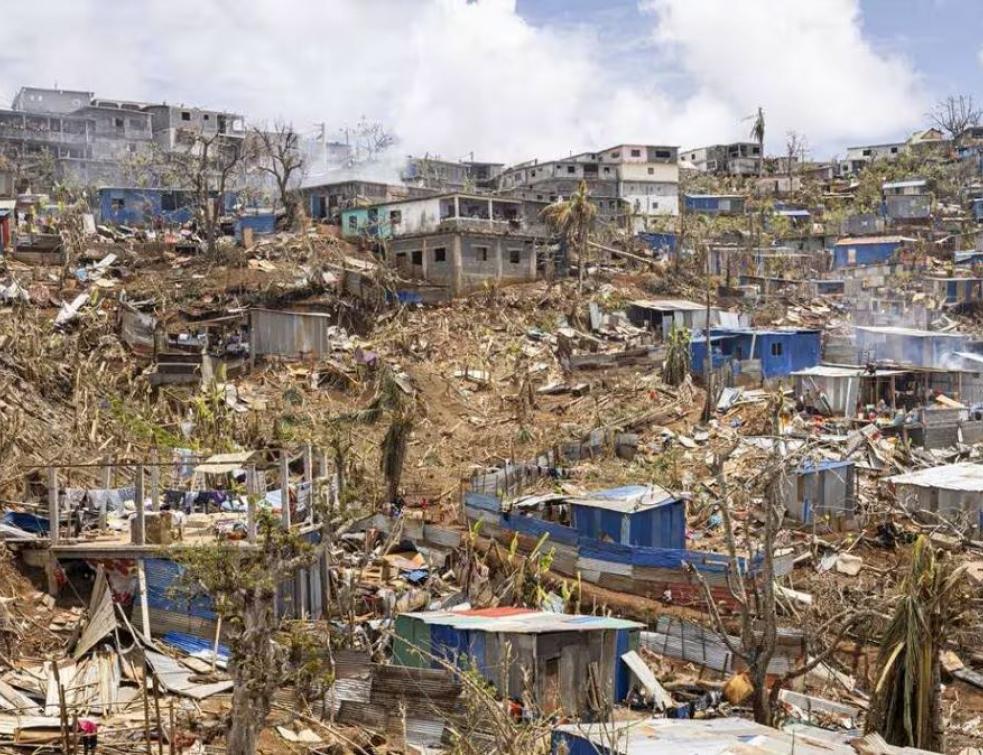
x=91, y=140
x=737, y=159
x=449, y=175
x=627, y=180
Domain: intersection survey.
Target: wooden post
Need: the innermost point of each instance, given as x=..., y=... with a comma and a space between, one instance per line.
x=284, y=489
x=160, y=727
x=144, y=602
x=251, y=493
x=146, y=707
x=154, y=480
x=309, y=480
x=140, y=531
x=107, y=483
x=170, y=737
x=54, y=515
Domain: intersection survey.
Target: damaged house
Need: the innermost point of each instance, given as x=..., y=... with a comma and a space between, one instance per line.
x=631, y=538
x=554, y=659
x=867, y=250
x=756, y=353
x=953, y=492
x=455, y=241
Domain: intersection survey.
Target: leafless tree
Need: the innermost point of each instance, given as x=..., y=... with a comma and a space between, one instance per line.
x=207, y=165
x=367, y=140
x=954, y=114
x=755, y=594
x=277, y=154
x=795, y=149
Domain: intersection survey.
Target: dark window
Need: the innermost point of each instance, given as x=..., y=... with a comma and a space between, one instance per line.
x=417, y=258
x=440, y=254
x=352, y=222
x=894, y=150
x=651, y=171
x=205, y=116
x=118, y=204
x=185, y=115
x=168, y=201
x=636, y=153
x=571, y=169
x=607, y=170
x=481, y=253
x=776, y=349
x=118, y=122
x=615, y=155
x=395, y=217
x=515, y=255
x=664, y=154
x=866, y=153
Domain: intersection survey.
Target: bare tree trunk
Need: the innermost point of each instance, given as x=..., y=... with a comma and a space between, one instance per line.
x=255, y=664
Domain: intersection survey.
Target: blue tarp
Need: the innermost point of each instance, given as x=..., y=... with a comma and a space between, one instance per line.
x=188, y=643
x=27, y=522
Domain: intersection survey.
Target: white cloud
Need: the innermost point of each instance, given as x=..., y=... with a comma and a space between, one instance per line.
x=807, y=64
x=454, y=77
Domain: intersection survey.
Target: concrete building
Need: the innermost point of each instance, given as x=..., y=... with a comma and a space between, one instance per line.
x=449, y=175
x=90, y=139
x=737, y=159
x=327, y=200
x=858, y=158
x=629, y=179
x=463, y=260
x=441, y=212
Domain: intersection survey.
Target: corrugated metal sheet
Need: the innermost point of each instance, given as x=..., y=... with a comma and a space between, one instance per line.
x=289, y=333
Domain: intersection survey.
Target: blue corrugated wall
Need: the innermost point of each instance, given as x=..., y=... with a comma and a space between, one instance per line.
x=867, y=254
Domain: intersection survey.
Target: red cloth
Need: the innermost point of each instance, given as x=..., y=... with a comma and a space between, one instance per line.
x=88, y=727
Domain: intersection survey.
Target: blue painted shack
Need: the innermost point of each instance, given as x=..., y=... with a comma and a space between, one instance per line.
x=714, y=204
x=631, y=539
x=921, y=348
x=261, y=223
x=659, y=242
x=636, y=515
x=866, y=250
x=142, y=207
x=781, y=352
x=523, y=652
x=977, y=209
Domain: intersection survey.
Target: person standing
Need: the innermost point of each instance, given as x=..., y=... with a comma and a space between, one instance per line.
x=90, y=732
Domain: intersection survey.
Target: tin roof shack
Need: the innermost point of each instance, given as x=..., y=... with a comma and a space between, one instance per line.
x=252, y=224
x=955, y=290
x=953, y=491
x=630, y=539
x=715, y=204
x=922, y=348
x=907, y=200
x=863, y=224
x=823, y=492
x=713, y=736
x=142, y=207
x=520, y=651
x=838, y=391
x=291, y=334
x=866, y=250
x=763, y=353
x=661, y=314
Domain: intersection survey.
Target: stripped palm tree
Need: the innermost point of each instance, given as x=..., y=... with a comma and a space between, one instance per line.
x=573, y=219
x=393, y=451
x=906, y=706
x=758, y=134
x=675, y=368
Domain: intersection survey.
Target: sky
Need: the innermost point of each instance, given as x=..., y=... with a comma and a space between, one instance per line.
x=509, y=80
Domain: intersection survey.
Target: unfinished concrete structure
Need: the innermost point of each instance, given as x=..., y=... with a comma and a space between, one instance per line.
x=736, y=159
x=462, y=260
